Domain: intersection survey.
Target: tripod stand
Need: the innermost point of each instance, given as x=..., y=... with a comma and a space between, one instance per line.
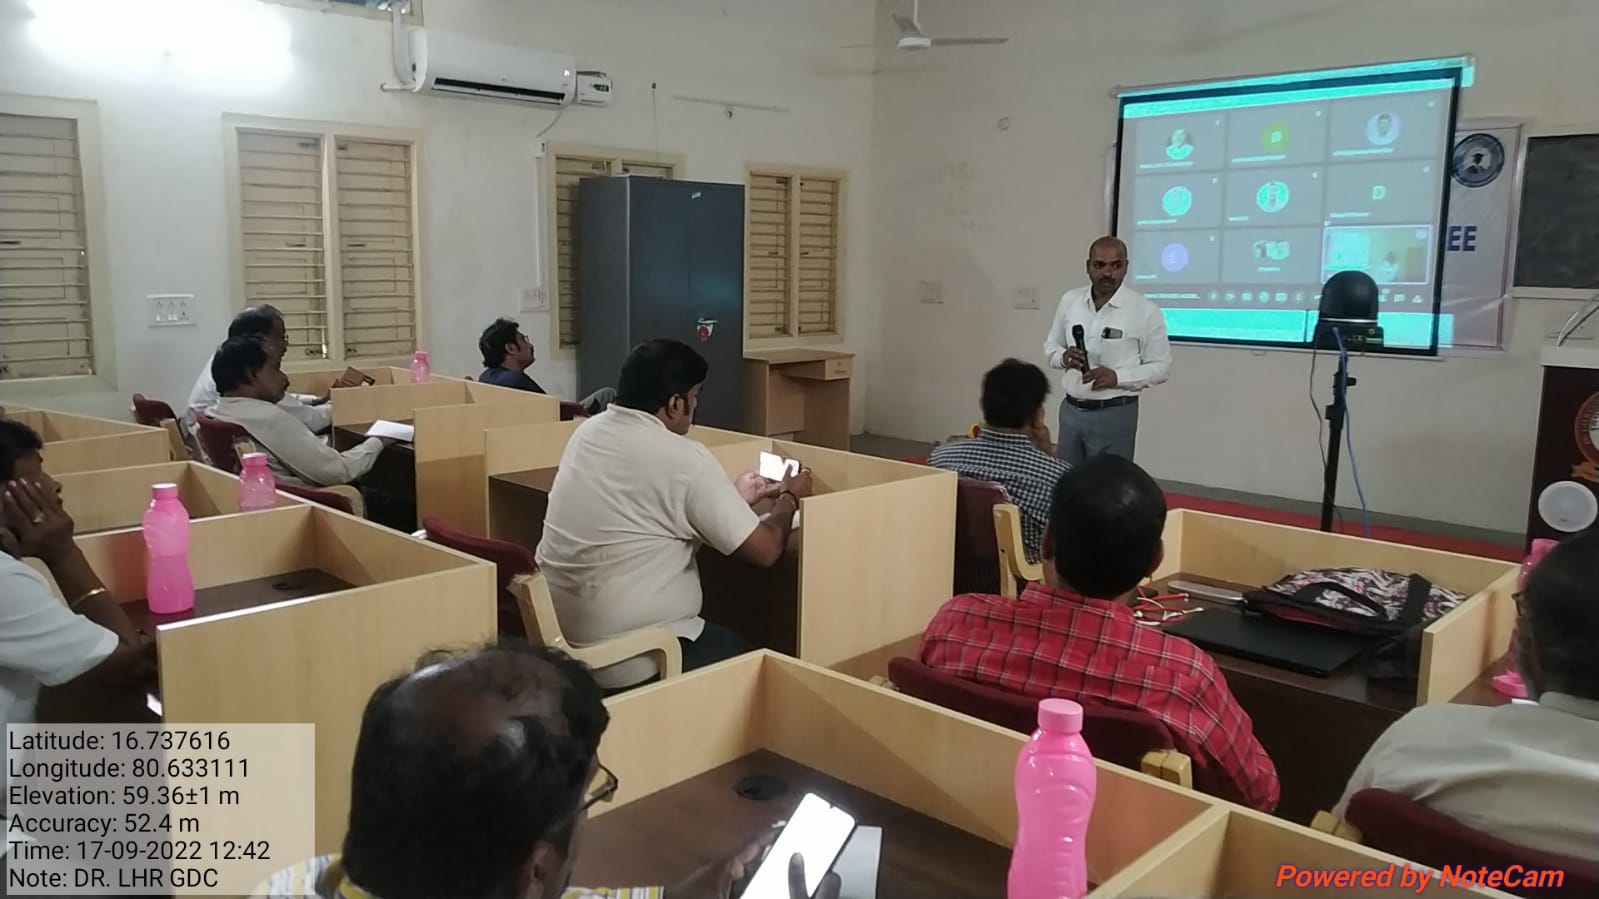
x=1336, y=411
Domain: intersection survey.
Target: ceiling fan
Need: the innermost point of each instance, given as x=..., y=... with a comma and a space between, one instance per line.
x=912, y=37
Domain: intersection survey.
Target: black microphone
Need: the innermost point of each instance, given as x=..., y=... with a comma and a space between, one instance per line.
x=1077, y=338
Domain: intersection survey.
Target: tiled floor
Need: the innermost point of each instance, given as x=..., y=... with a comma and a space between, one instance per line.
x=895, y=448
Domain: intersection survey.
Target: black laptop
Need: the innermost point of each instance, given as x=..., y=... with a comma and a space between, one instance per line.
x=1306, y=648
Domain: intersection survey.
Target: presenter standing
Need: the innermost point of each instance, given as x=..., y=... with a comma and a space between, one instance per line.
x=1125, y=352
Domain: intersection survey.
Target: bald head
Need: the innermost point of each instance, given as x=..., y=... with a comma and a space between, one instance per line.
x=466, y=768
x=1107, y=267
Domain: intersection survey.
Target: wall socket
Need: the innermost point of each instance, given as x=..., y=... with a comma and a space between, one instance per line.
x=1024, y=298
x=171, y=310
x=535, y=299
x=931, y=292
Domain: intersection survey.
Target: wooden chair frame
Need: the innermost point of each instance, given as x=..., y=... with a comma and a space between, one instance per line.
x=538, y=617
x=1013, y=565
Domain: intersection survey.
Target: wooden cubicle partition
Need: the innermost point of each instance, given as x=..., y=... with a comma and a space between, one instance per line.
x=451, y=477
x=309, y=659
x=1145, y=837
x=1456, y=648
x=394, y=402
x=877, y=551
x=117, y=497
x=84, y=443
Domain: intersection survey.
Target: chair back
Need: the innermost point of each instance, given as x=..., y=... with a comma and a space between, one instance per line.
x=976, y=548
x=1393, y=823
x=156, y=414
x=570, y=411
x=321, y=497
x=220, y=440
x=1116, y=735
x=509, y=561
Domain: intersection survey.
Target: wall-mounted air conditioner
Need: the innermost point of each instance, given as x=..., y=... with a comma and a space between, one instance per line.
x=446, y=63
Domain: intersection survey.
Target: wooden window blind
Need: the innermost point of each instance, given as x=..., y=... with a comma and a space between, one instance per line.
x=329, y=237
x=770, y=260
x=792, y=250
x=285, y=258
x=45, y=326
x=571, y=168
x=377, y=268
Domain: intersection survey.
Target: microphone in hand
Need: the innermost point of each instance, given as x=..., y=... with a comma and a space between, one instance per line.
x=1077, y=338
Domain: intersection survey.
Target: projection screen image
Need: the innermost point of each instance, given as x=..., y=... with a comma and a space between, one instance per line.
x=1238, y=199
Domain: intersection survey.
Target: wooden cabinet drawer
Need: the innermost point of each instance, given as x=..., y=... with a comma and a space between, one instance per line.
x=822, y=369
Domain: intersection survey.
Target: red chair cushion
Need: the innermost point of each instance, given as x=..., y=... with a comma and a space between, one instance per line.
x=217, y=439
x=509, y=561
x=1393, y=823
x=976, y=547
x=570, y=411
x=151, y=413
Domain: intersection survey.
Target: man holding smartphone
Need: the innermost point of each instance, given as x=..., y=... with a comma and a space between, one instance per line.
x=634, y=498
x=1111, y=342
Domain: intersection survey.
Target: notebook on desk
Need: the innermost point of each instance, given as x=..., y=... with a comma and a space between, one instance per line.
x=1290, y=645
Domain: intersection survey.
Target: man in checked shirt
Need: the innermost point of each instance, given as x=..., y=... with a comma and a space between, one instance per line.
x=1075, y=637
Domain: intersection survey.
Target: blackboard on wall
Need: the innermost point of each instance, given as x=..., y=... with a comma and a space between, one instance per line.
x=1557, y=241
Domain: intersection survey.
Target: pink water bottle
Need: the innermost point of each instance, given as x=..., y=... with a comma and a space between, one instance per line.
x=257, y=488
x=1055, y=783
x=1509, y=682
x=168, y=584
x=420, y=370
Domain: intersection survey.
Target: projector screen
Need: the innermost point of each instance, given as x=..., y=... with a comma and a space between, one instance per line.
x=1238, y=199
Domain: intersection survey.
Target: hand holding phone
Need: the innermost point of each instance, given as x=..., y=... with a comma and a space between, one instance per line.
x=775, y=468
x=804, y=853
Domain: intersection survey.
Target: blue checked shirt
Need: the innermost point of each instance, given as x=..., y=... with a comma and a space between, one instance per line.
x=1010, y=460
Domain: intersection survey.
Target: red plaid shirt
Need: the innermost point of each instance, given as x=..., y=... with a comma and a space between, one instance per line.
x=1054, y=643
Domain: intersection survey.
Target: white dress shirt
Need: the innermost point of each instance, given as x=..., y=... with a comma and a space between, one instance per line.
x=204, y=396
x=1526, y=773
x=630, y=506
x=294, y=454
x=1136, y=349
x=41, y=643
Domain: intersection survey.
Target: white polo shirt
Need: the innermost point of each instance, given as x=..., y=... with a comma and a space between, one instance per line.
x=41, y=642
x=631, y=504
x=1128, y=335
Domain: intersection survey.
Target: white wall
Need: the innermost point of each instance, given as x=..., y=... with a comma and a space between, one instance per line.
x=167, y=227
x=983, y=210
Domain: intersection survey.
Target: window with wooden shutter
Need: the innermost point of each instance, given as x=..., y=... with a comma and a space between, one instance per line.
x=328, y=235
x=792, y=253
x=570, y=167
x=377, y=266
x=769, y=259
x=45, y=324
x=285, y=259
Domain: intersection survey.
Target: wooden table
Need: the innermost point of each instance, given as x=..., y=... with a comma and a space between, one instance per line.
x=646, y=843
x=394, y=472
x=235, y=597
x=804, y=392
x=1316, y=729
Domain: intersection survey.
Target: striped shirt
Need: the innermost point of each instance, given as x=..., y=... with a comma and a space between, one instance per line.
x=1009, y=459
x=323, y=878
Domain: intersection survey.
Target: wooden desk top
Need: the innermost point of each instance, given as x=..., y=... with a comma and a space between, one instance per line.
x=249, y=594
x=795, y=355
x=538, y=479
x=352, y=434
x=646, y=843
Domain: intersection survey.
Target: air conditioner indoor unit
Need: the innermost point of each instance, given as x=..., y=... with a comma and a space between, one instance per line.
x=446, y=63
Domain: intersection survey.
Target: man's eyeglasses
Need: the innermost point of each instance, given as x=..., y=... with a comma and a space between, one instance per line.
x=602, y=788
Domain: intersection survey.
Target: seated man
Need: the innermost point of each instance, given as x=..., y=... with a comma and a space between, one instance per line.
x=265, y=324
x=1526, y=773
x=247, y=373
x=473, y=779
x=85, y=645
x=632, y=501
x=507, y=353
x=1074, y=637
x=1012, y=448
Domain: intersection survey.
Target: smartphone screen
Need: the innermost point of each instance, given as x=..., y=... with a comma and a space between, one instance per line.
x=817, y=832
x=775, y=468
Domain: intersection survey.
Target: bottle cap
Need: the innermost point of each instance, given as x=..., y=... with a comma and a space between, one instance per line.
x=253, y=460
x=1060, y=716
x=163, y=491
x=421, y=355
